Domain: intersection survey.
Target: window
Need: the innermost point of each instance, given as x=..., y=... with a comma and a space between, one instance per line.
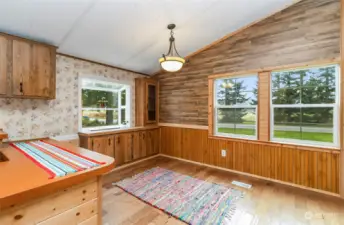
x=235, y=107
x=305, y=106
x=104, y=104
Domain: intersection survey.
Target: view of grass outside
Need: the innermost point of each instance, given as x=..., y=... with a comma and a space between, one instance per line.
x=308, y=87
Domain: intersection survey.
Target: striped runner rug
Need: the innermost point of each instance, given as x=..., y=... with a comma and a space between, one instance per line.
x=186, y=198
x=55, y=160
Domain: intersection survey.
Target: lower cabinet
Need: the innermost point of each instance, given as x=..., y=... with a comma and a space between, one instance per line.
x=152, y=145
x=103, y=145
x=125, y=147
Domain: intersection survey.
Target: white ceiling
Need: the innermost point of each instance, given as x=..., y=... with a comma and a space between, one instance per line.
x=131, y=34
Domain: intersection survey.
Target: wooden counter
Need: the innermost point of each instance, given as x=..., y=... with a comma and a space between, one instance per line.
x=115, y=131
x=24, y=185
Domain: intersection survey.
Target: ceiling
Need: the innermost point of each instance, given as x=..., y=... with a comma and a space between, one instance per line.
x=130, y=34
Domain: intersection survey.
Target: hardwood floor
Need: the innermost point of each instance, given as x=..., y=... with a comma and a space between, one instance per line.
x=264, y=204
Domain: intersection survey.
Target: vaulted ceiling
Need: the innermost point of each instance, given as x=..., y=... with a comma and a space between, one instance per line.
x=130, y=34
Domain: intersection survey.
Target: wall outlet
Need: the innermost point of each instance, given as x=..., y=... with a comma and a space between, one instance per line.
x=223, y=153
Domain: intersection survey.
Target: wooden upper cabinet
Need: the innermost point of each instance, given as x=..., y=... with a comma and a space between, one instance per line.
x=3, y=65
x=30, y=70
x=147, y=103
x=33, y=73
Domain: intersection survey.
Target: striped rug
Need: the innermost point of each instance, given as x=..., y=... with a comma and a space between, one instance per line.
x=55, y=160
x=186, y=198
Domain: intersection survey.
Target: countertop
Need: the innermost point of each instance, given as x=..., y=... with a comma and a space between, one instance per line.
x=115, y=131
x=21, y=180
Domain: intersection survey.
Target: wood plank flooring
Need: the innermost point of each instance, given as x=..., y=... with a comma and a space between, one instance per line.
x=264, y=204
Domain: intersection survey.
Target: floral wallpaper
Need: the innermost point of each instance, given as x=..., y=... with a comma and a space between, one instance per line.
x=33, y=118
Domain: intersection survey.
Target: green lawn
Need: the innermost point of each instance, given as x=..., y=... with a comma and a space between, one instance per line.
x=237, y=131
x=311, y=136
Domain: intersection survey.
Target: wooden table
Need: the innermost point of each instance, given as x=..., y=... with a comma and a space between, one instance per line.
x=27, y=196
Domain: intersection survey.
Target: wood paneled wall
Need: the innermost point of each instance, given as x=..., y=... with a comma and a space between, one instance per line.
x=310, y=168
x=308, y=31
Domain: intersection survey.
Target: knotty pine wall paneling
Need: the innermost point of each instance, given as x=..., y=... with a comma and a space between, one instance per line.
x=309, y=167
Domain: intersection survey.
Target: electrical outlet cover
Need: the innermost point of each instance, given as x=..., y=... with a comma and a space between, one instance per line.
x=223, y=153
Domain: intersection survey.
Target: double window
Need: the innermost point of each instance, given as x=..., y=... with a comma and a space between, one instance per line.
x=104, y=104
x=236, y=106
x=304, y=106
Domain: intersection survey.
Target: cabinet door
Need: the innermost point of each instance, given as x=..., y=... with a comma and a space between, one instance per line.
x=21, y=72
x=3, y=65
x=33, y=73
x=136, y=145
x=143, y=144
x=128, y=152
x=103, y=145
x=42, y=71
x=123, y=148
x=152, y=142
x=155, y=141
x=119, y=153
x=149, y=142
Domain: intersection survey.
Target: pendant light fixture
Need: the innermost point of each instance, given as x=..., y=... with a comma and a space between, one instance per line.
x=172, y=61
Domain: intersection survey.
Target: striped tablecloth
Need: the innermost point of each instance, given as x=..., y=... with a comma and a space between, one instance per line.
x=55, y=160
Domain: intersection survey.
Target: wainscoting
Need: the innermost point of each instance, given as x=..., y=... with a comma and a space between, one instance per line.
x=308, y=167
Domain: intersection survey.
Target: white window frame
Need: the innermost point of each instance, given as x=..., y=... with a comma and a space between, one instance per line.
x=217, y=106
x=335, y=107
x=127, y=107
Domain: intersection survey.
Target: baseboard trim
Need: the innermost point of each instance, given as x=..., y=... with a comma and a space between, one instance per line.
x=133, y=163
x=256, y=176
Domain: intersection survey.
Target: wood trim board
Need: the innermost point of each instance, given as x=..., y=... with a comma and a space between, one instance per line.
x=279, y=68
x=341, y=182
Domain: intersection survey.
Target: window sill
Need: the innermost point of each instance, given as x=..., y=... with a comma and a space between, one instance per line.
x=330, y=149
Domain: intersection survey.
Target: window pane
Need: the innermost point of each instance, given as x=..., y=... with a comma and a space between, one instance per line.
x=246, y=83
x=123, y=97
x=236, y=121
x=240, y=91
x=317, y=124
x=226, y=116
x=96, y=118
x=246, y=98
x=318, y=95
x=287, y=123
x=315, y=77
x=246, y=124
x=99, y=99
x=123, y=118
x=225, y=93
x=289, y=116
x=286, y=96
x=287, y=79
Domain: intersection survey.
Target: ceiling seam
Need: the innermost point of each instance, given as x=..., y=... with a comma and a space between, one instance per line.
x=77, y=21
x=154, y=42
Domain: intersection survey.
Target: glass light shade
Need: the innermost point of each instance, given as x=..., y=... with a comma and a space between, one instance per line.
x=171, y=64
